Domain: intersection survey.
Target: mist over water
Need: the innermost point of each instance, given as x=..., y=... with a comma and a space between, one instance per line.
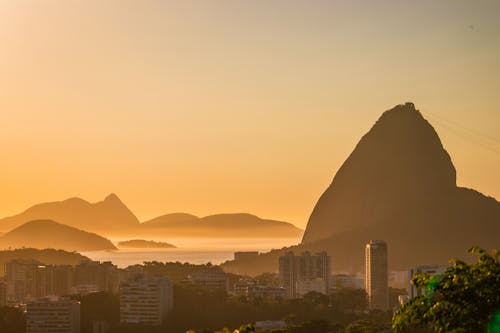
x=191, y=250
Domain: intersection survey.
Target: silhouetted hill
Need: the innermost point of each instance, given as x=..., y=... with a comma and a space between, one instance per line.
x=108, y=217
x=111, y=217
x=174, y=220
x=45, y=256
x=220, y=225
x=44, y=234
x=144, y=244
x=399, y=185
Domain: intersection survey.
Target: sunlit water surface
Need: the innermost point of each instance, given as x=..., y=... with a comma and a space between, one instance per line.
x=192, y=250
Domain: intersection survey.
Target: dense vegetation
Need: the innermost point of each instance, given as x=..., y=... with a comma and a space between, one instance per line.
x=12, y=320
x=208, y=311
x=465, y=298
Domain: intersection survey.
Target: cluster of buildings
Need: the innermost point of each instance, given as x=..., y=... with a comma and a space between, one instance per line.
x=143, y=300
x=26, y=280
x=300, y=274
x=147, y=299
x=44, y=292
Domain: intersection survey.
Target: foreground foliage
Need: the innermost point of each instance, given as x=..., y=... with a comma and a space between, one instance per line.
x=464, y=299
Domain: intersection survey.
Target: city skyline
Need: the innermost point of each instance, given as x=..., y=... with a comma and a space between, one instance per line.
x=186, y=107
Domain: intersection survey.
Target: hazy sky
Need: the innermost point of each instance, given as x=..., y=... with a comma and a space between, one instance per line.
x=233, y=106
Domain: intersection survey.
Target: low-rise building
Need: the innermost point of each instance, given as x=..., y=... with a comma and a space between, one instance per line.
x=213, y=280
x=243, y=285
x=305, y=286
x=346, y=281
x=266, y=292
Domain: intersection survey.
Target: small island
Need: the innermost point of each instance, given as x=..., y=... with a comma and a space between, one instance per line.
x=145, y=244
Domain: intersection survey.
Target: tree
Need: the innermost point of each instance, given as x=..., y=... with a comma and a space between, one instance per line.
x=349, y=300
x=12, y=320
x=312, y=326
x=465, y=298
x=364, y=326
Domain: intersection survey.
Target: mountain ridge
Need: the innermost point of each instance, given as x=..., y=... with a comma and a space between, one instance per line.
x=222, y=225
x=399, y=185
x=42, y=234
x=111, y=217
x=99, y=217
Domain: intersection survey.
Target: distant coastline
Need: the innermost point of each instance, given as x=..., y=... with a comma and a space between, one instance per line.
x=144, y=244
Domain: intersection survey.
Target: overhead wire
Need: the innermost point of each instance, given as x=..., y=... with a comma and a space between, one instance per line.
x=468, y=134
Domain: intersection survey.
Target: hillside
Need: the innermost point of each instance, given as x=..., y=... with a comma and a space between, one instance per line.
x=106, y=217
x=111, y=217
x=220, y=225
x=399, y=185
x=42, y=234
x=144, y=244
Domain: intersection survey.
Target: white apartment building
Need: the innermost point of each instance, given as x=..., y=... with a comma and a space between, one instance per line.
x=53, y=315
x=145, y=300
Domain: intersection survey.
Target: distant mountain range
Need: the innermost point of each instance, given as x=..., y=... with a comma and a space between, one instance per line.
x=399, y=185
x=104, y=217
x=112, y=218
x=144, y=244
x=42, y=234
x=221, y=225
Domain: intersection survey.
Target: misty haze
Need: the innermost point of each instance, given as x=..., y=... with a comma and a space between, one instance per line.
x=240, y=166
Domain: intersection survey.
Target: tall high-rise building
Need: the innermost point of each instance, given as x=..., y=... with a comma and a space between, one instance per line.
x=376, y=280
x=62, y=280
x=96, y=276
x=145, y=300
x=28, y=279
x=21, y=277
x=304, y=273
x=53, y=314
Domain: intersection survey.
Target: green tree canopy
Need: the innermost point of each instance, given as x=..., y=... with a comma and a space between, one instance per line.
x=464, y=299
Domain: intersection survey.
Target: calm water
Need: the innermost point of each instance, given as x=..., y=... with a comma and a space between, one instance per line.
x=195, y=251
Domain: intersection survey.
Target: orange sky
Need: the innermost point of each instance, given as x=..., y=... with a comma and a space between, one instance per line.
x=233, y=106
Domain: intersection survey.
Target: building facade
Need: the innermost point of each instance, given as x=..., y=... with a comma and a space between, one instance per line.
x=97, y=276
x=213, y=280
x=53, y=315
x=305, y=273
x=21, y=279
x=146, y=300
x=346, y=281
x=376, y=279
x=3, y=293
